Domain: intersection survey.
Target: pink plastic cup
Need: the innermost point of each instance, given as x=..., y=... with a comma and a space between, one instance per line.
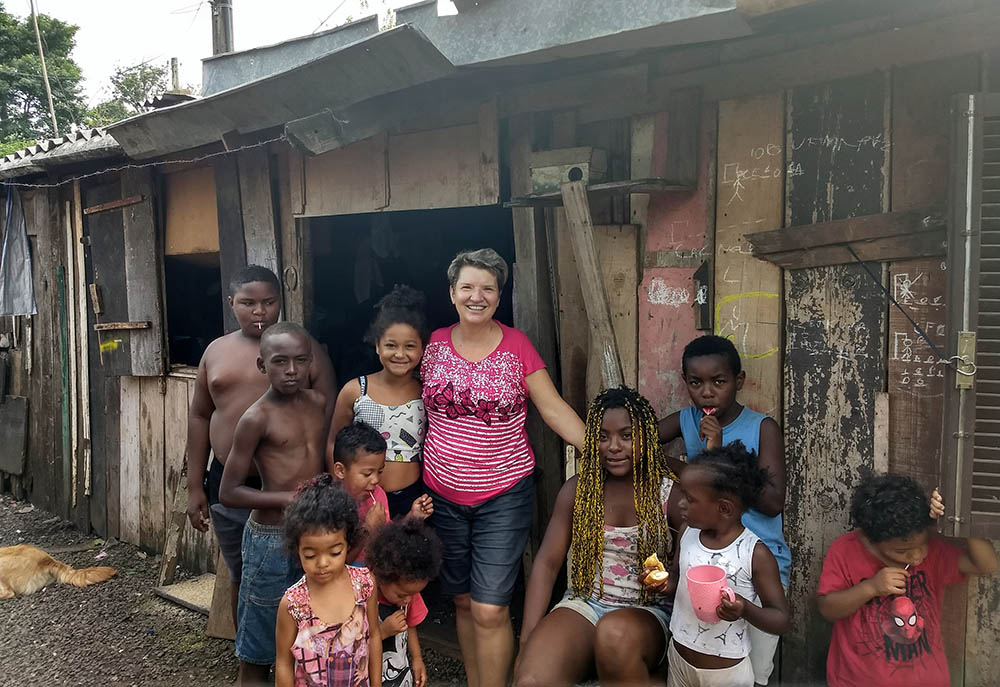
x=706, y=585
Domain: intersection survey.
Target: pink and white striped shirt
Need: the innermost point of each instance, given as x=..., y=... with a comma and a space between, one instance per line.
x=476, y=445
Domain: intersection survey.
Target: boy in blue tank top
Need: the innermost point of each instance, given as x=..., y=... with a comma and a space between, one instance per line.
x=714, y=374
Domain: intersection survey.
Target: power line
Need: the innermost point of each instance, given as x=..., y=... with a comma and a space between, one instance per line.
x=144, y=165
x=342, y=3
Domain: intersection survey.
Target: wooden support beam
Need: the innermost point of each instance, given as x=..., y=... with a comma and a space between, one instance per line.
x=625, y=187
x=114, y=326
x=684, y=120
x=904, y=247
x=595, y=297
x=865, y=228
x=113, y=205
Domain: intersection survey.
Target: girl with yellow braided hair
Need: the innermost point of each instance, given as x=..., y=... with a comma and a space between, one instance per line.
x=617, y=511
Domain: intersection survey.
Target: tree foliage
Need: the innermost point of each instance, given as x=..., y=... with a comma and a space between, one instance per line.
x=24, y=114
x=131, y=88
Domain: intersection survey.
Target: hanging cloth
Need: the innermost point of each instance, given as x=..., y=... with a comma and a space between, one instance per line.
x=17, y=294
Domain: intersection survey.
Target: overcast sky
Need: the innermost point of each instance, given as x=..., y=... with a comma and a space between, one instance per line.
x=127, y=32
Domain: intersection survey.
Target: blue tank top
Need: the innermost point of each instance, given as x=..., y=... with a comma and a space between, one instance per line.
x=745, y=428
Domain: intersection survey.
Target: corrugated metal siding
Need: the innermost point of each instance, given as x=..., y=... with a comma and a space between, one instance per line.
x=986, y=454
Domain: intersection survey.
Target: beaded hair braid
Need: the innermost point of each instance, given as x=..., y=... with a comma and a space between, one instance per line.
x=648, y=470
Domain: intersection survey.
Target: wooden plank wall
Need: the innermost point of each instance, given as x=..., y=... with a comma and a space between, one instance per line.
x=152, y=439
x=834, y=364
x=39, y=349
x=747, y=295
x=678, y=239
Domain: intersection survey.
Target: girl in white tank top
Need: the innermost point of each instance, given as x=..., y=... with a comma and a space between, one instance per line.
x=717, y=487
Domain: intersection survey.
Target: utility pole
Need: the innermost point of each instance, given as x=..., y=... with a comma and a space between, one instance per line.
x=175, y=81
x=222, y=26
x=45, y=72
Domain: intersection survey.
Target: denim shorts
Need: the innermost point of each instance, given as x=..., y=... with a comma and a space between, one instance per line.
x=268, y=571
x=227, y=522
x=482, y=545
x=594, y=610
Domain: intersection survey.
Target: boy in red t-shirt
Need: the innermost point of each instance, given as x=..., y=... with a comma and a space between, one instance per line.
x=403, y=557
x=882, y=586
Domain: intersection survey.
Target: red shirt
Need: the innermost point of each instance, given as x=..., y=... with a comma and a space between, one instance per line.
x=476, y=445
x=891, y=641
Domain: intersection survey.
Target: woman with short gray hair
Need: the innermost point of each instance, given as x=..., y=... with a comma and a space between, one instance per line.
x=478, y=375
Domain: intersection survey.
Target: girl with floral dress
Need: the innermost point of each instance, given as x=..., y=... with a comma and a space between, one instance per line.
x=327, y=633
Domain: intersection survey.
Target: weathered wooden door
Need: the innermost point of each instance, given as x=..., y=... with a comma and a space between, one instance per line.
x=124, y=320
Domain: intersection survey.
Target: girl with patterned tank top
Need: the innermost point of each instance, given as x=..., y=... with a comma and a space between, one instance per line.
x=717, y=487
x=327, y=633
x=390, y=400
x=617, y=511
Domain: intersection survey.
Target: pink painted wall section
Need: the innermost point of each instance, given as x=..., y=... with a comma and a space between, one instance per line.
x=666, y=324
x=677, y=228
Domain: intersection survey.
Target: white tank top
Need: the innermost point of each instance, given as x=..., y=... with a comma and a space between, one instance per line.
x=726, y=639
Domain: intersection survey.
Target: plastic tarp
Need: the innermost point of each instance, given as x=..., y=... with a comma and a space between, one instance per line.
x=17, y=295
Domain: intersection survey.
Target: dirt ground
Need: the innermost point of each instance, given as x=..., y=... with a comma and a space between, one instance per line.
x=116, y=632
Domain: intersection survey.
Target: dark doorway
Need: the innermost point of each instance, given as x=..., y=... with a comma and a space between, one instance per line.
x=358, y=258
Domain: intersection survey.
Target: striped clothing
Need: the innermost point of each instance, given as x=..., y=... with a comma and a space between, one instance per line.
x=476, y=445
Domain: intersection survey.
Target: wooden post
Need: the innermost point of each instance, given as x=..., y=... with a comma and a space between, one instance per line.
x=595, y=296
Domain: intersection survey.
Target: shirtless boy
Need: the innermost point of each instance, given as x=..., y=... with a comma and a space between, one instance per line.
x=227, y=383
x=284, y=434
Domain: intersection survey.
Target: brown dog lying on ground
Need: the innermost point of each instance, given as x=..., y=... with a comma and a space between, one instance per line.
x=25, y=569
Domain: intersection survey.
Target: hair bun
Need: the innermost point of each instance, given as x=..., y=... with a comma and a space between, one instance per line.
x=402, y=296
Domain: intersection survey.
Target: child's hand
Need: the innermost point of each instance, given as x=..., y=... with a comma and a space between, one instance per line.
x=937, y=505
x=731, y=610
x=711, y=432
x=890, y=581
x=419, y=671
x=374, y=518
x=664, y=588
x=394, y=624
x=422, y=508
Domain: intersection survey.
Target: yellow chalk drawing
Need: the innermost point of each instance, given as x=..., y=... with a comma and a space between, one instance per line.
x=110, y=345
x=732, y=337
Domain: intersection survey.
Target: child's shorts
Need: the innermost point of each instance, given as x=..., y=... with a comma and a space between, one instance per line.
x=268, y=571
x=594, y=610
x=683, y=674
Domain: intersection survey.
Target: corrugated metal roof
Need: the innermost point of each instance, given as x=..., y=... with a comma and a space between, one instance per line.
x=76, y=146
x=384, y=63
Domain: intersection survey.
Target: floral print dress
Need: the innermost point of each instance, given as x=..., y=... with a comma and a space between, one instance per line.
x=333, y=655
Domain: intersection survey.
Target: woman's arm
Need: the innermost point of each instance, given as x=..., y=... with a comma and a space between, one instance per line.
x=343, y=415
x=556, y=413
x=284, y=637
x=549, y=560
x=771, y=455
x=374, y=641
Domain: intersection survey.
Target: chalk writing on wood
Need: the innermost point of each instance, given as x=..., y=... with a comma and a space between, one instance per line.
x=731, y=323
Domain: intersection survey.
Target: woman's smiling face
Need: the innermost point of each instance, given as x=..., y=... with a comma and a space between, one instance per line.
x=475, y=295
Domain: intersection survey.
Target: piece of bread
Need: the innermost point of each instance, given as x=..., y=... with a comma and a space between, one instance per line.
x=653, y=563
x=657, y=577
